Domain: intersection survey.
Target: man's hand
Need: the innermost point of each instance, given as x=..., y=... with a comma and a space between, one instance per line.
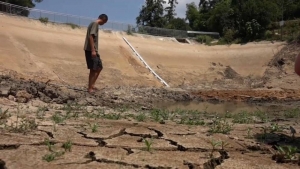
x=94, y=54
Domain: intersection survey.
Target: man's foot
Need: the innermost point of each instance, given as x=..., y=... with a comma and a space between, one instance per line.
x=91, y=91
x=95, y=89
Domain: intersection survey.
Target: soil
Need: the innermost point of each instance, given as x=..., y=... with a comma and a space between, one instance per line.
x=132, y=121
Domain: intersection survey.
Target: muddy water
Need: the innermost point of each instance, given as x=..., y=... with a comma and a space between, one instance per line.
x=232, y=107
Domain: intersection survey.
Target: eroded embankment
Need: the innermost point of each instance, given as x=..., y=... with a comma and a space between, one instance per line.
x=22, y=91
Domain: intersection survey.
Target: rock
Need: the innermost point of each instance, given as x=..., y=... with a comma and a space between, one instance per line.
x=43, y=97
x=2, y=164
x=4, y=91
x=91, y=101
x=23, y=97
x=12, y=98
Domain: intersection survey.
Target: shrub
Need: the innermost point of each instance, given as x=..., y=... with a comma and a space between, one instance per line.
x=268, y=34
x=44, y=20
x=229, y=35
x=204, y=39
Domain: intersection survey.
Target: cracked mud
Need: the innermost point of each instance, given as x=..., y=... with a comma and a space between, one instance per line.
x=63, y=136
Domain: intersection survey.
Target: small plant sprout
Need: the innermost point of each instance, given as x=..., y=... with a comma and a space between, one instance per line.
x=214, y=145
x=67, y=146
x=275, y=128
x=249, y=135
x=141, y=117
x=94, y=128
x=148, y=144
x=224, y=144
x=48, y=144
x=288, y=152
x=52, y=156
x=56, y=118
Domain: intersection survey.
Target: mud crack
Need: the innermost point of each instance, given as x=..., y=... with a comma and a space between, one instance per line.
x=214, y=162
x=50, y=134
x=159, y=133
x=9, y=147
x=129, y=151
x=100, y=141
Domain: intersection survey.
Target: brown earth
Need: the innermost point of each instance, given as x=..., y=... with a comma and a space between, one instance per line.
x=43, y=72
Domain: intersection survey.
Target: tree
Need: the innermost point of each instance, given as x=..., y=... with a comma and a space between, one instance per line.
x=171, y=10
x=178, y=24
x=193, y=16
x=23, y=3
x=151, y=14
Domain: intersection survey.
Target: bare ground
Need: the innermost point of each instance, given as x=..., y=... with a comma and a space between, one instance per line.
x=43, y=88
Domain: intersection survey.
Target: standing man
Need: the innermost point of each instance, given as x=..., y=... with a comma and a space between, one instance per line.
x=92, y=56
x=297, y=65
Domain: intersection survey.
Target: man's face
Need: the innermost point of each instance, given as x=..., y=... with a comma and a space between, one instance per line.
x=102, y=22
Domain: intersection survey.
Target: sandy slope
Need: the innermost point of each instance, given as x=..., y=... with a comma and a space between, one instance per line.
x=30, y=47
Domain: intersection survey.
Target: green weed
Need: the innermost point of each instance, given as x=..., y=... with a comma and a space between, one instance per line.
x=220, y=126
x=148, y=144
x=289, y=152
x=292, y=113
x=140, y=117
x=243, y=117
x=44, y=20
x=52, y=156
x=67, y=145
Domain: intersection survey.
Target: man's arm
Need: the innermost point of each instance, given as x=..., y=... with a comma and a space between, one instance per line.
x=91, y=38
x=92, y=45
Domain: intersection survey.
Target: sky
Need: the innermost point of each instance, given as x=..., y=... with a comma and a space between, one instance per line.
x=124, y=11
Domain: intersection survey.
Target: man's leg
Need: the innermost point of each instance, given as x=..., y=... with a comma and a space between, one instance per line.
x=97, y=68
x=91, y=79
x=97, y=73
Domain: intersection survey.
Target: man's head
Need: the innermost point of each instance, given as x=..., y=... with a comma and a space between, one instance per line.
x=102, y=19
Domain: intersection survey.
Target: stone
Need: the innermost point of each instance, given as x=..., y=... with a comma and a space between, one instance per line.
x=4, y=91
x=91, y=101
x=23, y=96
x=12, y=98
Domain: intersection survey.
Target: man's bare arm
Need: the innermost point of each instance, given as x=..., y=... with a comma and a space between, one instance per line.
x=92, y=46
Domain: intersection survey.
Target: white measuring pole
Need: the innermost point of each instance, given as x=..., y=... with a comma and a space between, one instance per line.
x=145, y=63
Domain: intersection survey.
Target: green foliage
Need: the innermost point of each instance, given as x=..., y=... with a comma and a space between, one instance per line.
x=288, y=152
x=148, y=144
x=243, y=117
x=229, y=36
x=24, y=3
x=204, y=39
x=220, y=126
x=152, y=14
x=44, y=20
x=73, y=26
x=67, y=145
x=141, y=117
x=292, y=113
x=247, y=20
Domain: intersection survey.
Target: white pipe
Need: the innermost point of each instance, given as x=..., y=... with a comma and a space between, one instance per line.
x=147, y=66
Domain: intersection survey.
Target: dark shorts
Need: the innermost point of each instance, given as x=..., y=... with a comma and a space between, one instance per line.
x=93, y=63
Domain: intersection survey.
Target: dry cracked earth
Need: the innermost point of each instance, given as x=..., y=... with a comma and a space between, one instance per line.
x=43, y=125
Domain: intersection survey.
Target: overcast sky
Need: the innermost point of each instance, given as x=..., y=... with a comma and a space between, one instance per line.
x=181, y=7
x=124, y=11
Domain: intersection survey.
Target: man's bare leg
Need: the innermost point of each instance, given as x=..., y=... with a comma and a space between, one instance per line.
x=92, y=77
x=97, y=73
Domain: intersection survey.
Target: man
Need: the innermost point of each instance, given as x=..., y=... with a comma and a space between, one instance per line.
x=297, y=65
x=92, y=56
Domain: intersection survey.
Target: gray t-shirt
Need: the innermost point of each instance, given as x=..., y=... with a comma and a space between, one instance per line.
x=91, y=30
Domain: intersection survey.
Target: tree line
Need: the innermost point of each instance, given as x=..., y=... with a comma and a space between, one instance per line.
x=232, y=19
x=23, y=3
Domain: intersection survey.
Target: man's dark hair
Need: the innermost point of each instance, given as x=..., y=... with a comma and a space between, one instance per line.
x=103, y=17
